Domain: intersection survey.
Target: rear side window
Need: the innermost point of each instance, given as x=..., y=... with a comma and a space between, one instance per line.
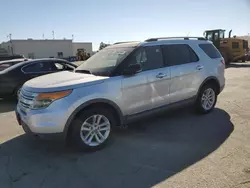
x=38, y=67
x=210, y=50
x=178, y=54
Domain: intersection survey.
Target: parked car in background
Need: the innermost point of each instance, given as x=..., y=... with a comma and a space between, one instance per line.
x=14, y=73
x=120, y=84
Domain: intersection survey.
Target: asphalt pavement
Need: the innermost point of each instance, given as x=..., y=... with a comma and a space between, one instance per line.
x=175, y=149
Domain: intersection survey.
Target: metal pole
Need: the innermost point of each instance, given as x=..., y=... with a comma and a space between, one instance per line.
x=11, y=45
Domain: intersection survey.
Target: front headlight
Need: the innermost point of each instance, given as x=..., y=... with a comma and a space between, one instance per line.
x=43, y=100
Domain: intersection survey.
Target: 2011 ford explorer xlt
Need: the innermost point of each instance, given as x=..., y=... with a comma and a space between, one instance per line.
x=120, y=84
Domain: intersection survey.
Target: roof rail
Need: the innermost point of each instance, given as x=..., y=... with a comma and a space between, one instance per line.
x=125, y=42
x=166, y=38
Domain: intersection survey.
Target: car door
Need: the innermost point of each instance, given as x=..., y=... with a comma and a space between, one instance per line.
x=37, y=68
x=149, y=88
x=186, y=71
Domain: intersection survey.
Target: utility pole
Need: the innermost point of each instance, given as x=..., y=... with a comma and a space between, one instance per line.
x=11, y=47
x=9, y=36
x=53, y=34
x=72, y=37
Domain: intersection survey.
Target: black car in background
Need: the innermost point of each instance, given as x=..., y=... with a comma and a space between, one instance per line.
x=14, y=73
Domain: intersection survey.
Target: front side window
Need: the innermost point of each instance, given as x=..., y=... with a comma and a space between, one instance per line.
x=149, y=58
x=178, y=54
x=59, y=66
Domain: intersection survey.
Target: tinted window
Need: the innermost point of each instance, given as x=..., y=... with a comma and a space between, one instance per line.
x=210, y=50
x=38, y=67
x=149, y=58
x=178, y=54
x=59, y=66
x=235, y=45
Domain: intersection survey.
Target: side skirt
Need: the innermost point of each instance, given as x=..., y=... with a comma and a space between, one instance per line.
x=148, y=113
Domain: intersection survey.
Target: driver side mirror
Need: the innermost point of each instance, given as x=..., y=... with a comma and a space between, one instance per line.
x=132, y=69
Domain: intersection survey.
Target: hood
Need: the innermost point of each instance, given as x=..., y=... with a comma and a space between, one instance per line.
x=61, y=81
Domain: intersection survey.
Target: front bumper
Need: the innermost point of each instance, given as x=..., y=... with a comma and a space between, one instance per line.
x=51, y=120
x=28, y=131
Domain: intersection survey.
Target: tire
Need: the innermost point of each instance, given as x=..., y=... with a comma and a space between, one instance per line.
x=80, y=137
x=200, y=105
x=243, y=59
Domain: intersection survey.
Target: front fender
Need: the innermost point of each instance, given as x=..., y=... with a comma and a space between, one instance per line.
x=88, y=103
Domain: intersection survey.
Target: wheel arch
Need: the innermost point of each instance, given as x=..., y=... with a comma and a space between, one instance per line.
x=211, y=80
x=95, y=102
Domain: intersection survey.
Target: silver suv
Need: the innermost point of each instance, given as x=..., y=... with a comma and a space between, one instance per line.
x=120, y=84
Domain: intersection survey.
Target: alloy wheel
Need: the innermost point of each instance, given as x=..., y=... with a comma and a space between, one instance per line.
x=208, y=99
x=95, y=130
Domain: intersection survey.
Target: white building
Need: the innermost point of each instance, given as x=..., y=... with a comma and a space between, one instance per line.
x=45, y=48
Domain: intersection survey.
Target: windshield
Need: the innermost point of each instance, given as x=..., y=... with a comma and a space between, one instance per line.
x=105, y=61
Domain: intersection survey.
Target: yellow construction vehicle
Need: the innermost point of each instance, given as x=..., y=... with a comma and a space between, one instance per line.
x=231, y=48
x=82, y=55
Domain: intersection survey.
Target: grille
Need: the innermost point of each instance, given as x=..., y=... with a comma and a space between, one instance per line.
x=26, y=98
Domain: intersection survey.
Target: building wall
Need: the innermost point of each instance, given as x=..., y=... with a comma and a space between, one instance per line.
x=80, y=45
x=40, y=48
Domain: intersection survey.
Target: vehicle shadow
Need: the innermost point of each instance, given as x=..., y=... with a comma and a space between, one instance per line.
x=7, y=105
x=145, y=154
x=238, y=65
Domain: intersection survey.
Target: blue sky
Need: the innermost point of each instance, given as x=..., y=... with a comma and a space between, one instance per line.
x=115, y=20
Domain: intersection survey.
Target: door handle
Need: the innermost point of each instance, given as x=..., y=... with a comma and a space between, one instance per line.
x=199, y=67
x=161, y=75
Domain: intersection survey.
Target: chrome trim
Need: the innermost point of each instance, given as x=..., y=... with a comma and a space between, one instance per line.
x=26, y=99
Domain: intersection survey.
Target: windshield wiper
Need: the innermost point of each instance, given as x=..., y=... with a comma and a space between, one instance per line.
x=83, y=71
